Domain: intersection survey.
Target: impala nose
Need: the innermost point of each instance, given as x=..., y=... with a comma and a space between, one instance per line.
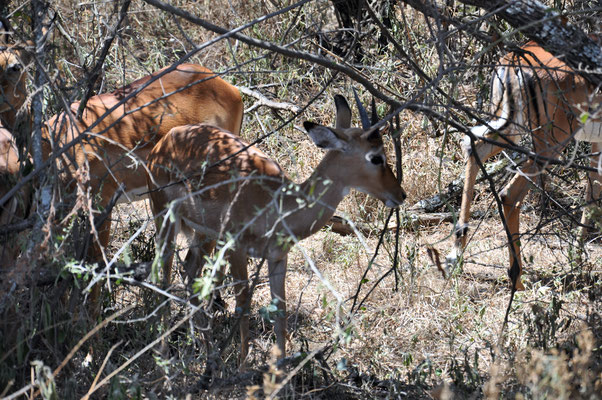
x=392, y=204
x=395, y=201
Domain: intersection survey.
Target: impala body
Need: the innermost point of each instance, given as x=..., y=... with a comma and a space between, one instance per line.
x=15, y=209
x=13, y=96
x=114, y=135
x=534, y=93
x=219, y=187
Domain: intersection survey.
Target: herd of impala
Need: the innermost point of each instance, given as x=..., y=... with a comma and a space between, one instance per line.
x=174, y=134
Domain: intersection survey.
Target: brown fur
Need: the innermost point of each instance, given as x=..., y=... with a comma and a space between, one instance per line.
x=13, y=97
x=116, y=150
x=13, y=92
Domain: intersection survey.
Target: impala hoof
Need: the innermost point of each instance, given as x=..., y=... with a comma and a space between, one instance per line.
x=452, y=261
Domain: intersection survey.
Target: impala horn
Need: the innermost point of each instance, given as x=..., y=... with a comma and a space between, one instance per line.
x=363, y=114
x=374, y=113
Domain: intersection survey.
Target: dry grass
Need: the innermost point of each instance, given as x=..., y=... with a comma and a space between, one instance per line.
x=417, y=336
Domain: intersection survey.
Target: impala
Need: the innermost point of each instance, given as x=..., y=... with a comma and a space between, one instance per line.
x=216, y=187
x=117, y=131
x=122, y=139
x=13, y=95
x=16, y=207
x=536, y=93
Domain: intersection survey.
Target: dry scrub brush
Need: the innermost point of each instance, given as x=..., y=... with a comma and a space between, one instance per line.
x=398, y=333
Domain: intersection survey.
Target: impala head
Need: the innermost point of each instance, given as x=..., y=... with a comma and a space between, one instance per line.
x=13, y=60
x=9, y=156
x=357, y=155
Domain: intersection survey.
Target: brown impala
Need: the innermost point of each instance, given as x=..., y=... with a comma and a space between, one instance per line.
x=13, y=95
x=536, y=93
x=215, y=186
x=117, y=135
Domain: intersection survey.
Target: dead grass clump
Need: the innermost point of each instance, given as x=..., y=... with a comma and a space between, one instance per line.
x=564, y=373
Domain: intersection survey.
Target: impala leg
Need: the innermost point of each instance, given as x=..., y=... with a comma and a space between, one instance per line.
x=95, y=254
x=199, y=247
x=165, y=245
x=484, y=151
x=512, y=197
x=277, y=274
x=238, y=268
x=592, y=193
x=98, y=245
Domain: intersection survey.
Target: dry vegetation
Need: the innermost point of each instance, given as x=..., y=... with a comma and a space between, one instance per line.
x=362, y=329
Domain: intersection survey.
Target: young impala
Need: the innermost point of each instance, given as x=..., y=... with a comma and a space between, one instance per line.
x=216, y=186
x=536, y=93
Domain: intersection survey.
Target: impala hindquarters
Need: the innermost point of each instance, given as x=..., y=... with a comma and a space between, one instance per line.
x=537, y=94
x=216, y=185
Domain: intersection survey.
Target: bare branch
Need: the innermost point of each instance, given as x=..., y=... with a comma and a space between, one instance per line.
x=330, y=64
x=264, y=101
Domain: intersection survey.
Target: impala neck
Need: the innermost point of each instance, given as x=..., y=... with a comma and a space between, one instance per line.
x=322, y=192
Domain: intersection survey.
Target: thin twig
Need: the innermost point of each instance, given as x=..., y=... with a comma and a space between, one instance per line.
x=71, y=353
x=102, y=367
x=141, y=352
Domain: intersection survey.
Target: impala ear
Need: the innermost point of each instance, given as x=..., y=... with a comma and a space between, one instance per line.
x=324, y=137
x=343, y=112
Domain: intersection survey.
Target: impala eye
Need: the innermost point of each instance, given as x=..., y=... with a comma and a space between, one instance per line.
x=377, y=160
x=15, y=68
